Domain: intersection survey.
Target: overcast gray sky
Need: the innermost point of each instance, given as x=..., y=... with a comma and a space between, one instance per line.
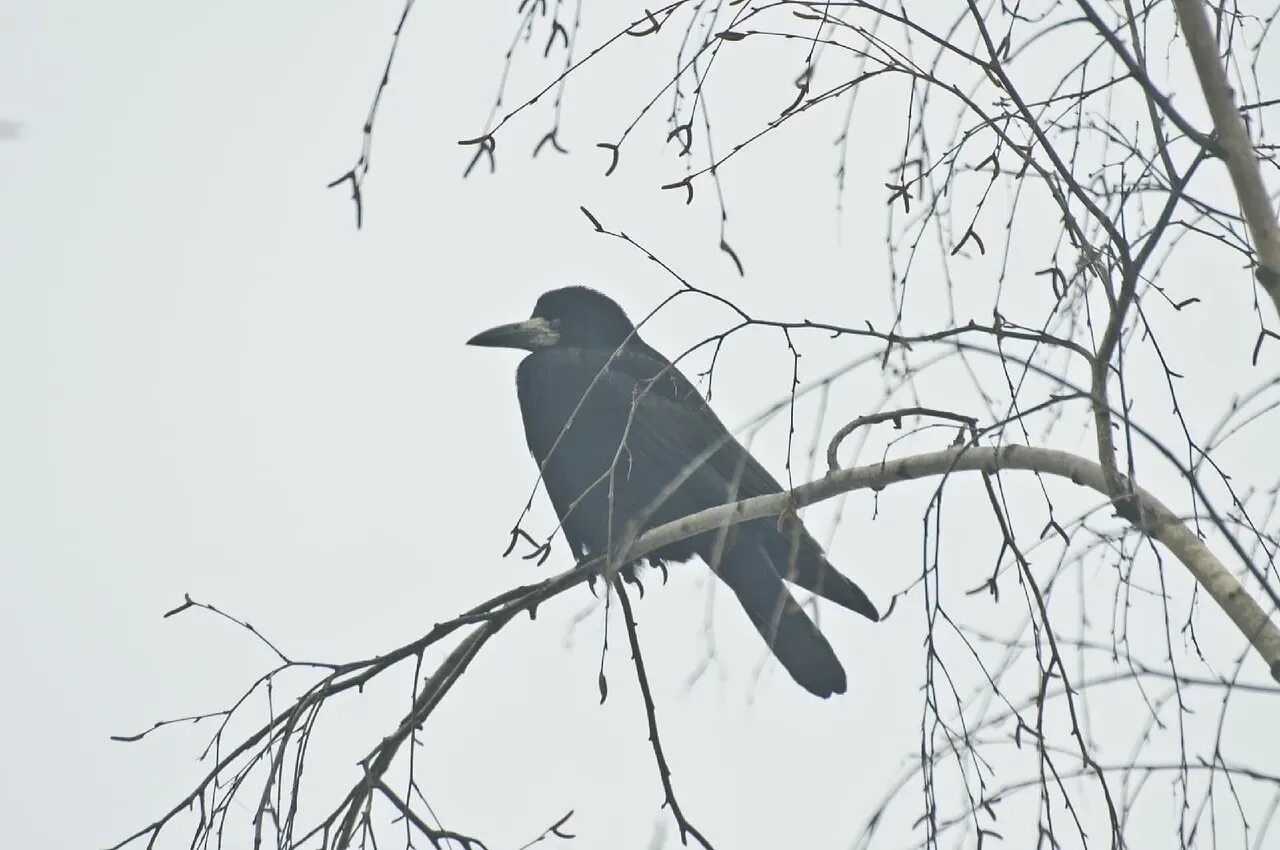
x=214, y=384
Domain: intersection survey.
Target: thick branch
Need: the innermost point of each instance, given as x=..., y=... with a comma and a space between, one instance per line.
x=1242, y=162
x=1157, y=521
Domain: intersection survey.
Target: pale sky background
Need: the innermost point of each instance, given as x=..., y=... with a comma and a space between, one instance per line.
x=214, y=384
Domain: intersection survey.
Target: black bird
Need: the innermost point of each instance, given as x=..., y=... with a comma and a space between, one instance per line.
x=626, y=443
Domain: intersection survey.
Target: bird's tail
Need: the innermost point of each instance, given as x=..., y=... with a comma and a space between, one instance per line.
x=800, y=560
x=746, y=566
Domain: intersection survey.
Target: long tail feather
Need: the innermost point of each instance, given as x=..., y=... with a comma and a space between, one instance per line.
x=800, y=561
x=748, y=569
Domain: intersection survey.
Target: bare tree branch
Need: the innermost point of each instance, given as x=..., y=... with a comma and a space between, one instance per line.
x=1242, y=161
x=1158, y=521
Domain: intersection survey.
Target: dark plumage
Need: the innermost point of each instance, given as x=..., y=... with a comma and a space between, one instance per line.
x=602, y=410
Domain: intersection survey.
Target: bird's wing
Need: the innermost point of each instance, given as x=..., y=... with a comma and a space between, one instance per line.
x=674, y=425
x=685, y=424
x=677, y=458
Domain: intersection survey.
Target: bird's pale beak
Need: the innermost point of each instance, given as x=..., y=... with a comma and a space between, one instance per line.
x=531, y=334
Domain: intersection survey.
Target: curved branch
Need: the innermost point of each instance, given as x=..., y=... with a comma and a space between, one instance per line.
x=1155, y=520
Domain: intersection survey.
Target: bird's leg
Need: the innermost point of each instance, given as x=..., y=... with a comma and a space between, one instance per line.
x=628, y=574
x=617, y=560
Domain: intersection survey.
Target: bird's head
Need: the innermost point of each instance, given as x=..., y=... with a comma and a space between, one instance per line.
x=574, y=316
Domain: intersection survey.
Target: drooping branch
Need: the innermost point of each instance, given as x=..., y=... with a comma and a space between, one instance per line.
x=642, y=678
